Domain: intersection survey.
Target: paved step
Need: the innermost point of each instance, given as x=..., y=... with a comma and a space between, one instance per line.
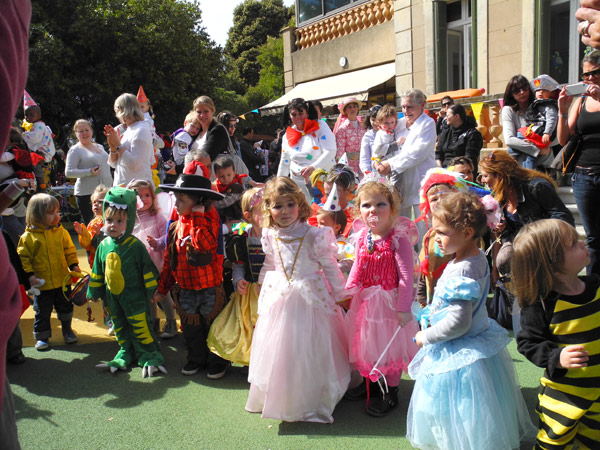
x=566, y=194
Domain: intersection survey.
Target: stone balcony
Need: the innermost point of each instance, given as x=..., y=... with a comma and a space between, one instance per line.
x=365, y=15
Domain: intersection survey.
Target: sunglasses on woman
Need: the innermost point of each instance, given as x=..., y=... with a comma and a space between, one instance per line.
x=519, y=89
x=591, y=73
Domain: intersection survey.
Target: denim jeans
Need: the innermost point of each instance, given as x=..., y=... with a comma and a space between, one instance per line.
x=586, y=189
x=199, y=302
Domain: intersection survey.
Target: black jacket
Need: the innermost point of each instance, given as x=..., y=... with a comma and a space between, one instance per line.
x=463, y=141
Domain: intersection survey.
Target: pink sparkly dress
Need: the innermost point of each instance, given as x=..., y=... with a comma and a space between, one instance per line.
x=383, y=284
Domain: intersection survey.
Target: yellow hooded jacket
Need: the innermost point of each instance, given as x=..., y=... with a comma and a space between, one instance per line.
x=47, y=254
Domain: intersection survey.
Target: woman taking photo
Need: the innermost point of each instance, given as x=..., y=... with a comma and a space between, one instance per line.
x=132, y=154
x=88, y=162
x=459, y=138
x=517, y=98
x=584, y=117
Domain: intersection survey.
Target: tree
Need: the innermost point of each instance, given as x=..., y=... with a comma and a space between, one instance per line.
x=270, y=85
x=253, y=22
x=84, y=54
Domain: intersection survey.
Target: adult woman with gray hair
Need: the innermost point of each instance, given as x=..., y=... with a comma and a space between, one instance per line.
x=132, y=153
x=417, y=155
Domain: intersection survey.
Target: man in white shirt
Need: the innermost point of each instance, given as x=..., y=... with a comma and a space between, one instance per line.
x=417, y=155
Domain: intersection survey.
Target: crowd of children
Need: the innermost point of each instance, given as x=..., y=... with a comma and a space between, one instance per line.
x=312, y=281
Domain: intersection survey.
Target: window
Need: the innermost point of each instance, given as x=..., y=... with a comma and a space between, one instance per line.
x=454, y=45
x=559, y=50
x=309, y=10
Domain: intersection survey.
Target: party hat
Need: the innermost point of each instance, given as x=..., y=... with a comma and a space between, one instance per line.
x=141, y=95
x=333, y=200
x=27, y=100
x=344, y=159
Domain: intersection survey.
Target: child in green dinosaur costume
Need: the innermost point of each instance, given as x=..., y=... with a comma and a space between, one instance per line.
x=125, y=277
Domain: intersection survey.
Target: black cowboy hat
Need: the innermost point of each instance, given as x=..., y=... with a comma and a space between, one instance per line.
x=193, y=184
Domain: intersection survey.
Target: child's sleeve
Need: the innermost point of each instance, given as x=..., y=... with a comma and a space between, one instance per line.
x=25, y=251
x=70, y=250
x=269, y=263
x=551, y=113
x=205, y=231
x=381, y=143
x=403, y=257
x=85, y=239
x=161, y=224
x=535, y=341
x=96, y=287
x=460, y=293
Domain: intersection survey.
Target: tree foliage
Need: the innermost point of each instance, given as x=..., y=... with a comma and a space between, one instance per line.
x=270, y=85
x=85, y=53
x=253, y=22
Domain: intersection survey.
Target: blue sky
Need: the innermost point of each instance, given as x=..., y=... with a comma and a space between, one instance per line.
x=217, y=17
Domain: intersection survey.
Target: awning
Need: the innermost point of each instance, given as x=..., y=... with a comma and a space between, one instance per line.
x=334, y=89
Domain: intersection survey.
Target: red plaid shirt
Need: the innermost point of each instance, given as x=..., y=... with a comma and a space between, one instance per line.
x=203, y=234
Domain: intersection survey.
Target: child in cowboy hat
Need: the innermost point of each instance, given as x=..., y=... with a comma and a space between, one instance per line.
x=192, y=261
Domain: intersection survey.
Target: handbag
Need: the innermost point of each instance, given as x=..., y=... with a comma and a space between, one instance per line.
x=567, y=157
x=500, y=306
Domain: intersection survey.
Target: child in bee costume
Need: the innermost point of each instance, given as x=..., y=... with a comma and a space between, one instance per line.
x=126, y=278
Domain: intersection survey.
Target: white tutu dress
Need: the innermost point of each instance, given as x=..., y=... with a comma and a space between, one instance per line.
x=466, y=396
x=299, y=367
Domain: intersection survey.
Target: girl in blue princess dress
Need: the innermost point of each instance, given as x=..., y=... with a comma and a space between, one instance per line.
x=465, y=396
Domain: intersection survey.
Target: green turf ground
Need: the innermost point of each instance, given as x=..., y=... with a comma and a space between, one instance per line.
x=63, y=402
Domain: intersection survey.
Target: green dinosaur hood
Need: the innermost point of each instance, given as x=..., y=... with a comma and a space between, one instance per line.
x=118, y=196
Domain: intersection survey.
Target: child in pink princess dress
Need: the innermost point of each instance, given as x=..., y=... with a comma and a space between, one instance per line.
x=381, y=326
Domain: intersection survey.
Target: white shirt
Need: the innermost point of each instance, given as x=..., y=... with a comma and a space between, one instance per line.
x=137, y=158
x=417, y=155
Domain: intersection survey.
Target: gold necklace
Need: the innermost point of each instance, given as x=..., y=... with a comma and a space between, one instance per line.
x=287, y=241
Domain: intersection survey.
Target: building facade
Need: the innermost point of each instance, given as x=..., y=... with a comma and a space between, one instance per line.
x=376, y=49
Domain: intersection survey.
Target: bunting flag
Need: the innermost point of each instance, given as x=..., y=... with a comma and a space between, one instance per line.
x=501, y=101
x=255, y=111
x=477, y=108
x=242, y=116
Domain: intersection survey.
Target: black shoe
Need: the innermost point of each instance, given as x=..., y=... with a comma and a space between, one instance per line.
x=217, y=370
x=191, y=368
x=381, y=406
x=357, y=393
x=17, y=359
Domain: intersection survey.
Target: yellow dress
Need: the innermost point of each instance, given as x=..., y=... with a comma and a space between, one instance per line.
x=230, y=334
